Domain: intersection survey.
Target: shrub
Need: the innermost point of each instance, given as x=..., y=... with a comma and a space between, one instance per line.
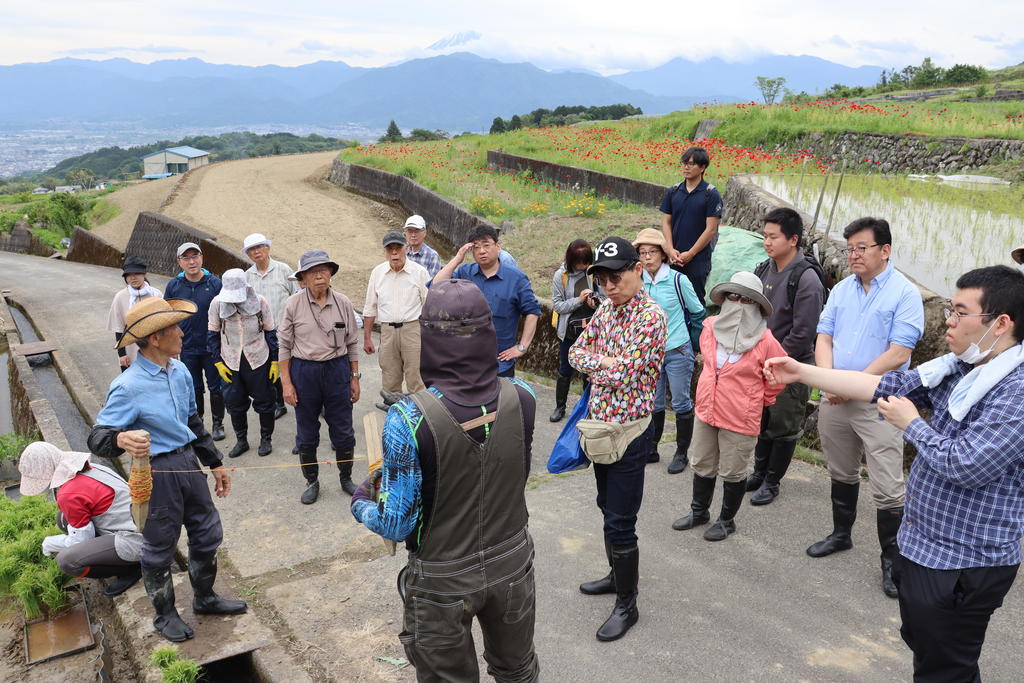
x=12, y=444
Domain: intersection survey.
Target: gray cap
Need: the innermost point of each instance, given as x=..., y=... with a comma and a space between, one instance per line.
x=188, y=245
x=394, y=237
x=313, y=258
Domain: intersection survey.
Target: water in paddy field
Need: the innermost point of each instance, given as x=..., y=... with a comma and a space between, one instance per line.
x=939, y=229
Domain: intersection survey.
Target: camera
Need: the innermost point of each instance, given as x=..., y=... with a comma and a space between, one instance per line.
x=339, y=325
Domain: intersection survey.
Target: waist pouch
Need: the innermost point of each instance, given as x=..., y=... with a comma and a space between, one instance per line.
x=605, y=442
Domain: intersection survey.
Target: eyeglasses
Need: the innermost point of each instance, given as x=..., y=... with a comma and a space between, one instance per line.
x=190, y=257
x=484, y=246
x=690, y=164
x=948, y=314
x=857, y=250
x=649, y=252
x=732, y=296
x=613, y=278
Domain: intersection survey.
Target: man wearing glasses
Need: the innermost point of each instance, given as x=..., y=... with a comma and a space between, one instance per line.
x=871, y=323
x=622, y=350
x=507, y=290
x=691, y=211
x=959, y=543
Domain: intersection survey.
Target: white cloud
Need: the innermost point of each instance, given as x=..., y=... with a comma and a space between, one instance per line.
x=603, y=35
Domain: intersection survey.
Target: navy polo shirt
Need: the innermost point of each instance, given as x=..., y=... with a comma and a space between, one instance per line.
x=510, y=296
x=690, y=211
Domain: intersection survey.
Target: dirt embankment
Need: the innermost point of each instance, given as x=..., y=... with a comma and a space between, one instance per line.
x=145, y=196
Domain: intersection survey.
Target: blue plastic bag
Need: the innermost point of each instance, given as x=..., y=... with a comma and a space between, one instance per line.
x=567, y=453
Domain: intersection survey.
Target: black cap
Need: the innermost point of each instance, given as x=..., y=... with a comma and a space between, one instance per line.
x=133, y=264
x=394, y=237
x=614, y=253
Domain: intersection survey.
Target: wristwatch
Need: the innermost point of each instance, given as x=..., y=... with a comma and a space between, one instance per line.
x=357, y=375
x=521, y=348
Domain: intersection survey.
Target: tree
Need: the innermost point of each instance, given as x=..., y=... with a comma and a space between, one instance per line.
x=927, y=74
x=49, y=182
x=393, y=134
x=515, y=123
x=964, y=73
x=498, y=126
x=422, y=134
x=770, y=87
x=81, y=176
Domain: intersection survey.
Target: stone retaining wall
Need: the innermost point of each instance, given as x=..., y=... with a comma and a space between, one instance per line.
x=88, y=247
x=580, y=179
x=916, y=154
x=22, y=241
x=155, y=239
x=453, y=224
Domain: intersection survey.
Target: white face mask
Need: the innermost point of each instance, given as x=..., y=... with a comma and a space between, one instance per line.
x=973, y=354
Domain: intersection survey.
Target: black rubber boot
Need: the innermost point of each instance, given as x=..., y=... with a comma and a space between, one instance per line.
x=310, y=470
x=217, y=412
x=762, y=452
x=888, y=526
x=561, y=396
x=202, y=571
x=732, y=499
x=605, y=585
x=344, y=458
x=266, y=432
x=126, y=578
x=703, y=492
x=658, y=421
x=844, y=514
x=684, y=434
x=778, y=464
x=160, y=589
x=280, y=409
x=240, y=423
x=626, y=568
x=200, y=405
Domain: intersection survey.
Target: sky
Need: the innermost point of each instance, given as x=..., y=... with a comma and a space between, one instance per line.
x=599, y=35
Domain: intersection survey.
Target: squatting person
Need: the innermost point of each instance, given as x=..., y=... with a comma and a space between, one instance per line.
x=960, y=537
x=452, y=486
x=150, y=411
x=622, y=350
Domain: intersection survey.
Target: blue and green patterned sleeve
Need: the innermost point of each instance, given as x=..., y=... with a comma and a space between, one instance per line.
x=396, y=514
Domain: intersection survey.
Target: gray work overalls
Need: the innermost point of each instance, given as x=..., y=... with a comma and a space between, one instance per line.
x=475, y=557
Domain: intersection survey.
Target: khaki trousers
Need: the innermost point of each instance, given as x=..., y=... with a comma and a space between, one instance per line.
x=400, y=356
x=854, y=429
x=720, y=453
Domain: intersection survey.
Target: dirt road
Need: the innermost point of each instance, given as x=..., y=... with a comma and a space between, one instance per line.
x=287, y=199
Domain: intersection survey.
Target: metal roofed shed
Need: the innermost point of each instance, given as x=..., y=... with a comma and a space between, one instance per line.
x=173, y=160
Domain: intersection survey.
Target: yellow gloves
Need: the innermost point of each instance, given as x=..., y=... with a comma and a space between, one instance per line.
x=275, y=371
x=224, y=371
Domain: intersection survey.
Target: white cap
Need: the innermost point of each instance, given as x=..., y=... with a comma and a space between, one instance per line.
x=415, y=221
x=254, y=240
x=188, y=245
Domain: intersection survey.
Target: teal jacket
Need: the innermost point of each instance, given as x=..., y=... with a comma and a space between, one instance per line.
x=662, y=288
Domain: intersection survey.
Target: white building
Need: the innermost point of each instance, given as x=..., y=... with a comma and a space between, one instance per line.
x=173, y=160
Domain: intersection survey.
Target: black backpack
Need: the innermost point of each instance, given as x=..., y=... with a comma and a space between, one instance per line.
x=808, y=261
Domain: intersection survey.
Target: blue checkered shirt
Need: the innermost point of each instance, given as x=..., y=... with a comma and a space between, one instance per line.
x=427, y=258
x=965, y=492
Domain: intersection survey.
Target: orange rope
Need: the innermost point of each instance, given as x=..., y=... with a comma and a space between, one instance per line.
x=260, y=467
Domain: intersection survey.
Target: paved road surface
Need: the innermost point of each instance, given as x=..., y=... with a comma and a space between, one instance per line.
x=753, y=607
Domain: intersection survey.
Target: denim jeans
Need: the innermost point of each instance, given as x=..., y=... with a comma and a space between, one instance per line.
x=678, y=368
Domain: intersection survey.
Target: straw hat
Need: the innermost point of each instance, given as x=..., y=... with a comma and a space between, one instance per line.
x=1018, y=254
x=44, y=466
x=745, y=284
x=652, y=236
x=152, y=315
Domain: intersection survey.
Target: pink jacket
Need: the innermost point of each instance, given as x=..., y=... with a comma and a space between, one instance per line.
x=734, y=397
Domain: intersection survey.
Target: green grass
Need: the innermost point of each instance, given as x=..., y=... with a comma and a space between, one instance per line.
x=101, y=211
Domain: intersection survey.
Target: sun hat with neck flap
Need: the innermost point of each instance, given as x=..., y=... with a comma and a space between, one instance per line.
x=745, y=284
x=152, y=315
x=44, y=466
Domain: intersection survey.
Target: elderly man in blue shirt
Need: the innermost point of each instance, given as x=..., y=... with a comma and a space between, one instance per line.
x=506, y=288
x=959, y=542
x=871, y=323
x=150, y=412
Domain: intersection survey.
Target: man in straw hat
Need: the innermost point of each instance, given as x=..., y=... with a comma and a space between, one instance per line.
x=456, y=461
x=94, y=509
x=150, y=411
x=621, y=349
x=137, y=288
x=244, y=344
x=319, y=352
x=272, y=280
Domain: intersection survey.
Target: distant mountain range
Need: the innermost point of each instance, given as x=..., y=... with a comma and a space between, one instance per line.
x=455, y=92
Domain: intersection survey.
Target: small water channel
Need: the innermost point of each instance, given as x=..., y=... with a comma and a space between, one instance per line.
x=939, y=230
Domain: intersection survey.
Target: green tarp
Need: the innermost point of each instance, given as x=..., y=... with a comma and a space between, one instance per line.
x=737, y=250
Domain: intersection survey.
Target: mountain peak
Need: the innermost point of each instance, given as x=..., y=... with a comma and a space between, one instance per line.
x=455, y=40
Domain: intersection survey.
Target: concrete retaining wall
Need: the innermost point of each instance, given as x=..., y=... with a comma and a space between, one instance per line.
x=580, y=179
x=21, y=240
x=88, y=247
x=155, y=239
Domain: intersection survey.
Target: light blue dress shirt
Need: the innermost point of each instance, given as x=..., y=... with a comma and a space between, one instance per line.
x=146, y=396
x=863, y=324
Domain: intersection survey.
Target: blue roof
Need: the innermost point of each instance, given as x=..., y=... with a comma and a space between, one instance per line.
x=184, y=151
x=153, y=176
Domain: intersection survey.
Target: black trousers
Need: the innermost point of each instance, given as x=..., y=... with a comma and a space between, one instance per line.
x=945, y=615
x=250, y=387
x=620, y=490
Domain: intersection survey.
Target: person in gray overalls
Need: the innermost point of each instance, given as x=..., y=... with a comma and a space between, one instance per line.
x=467, y=438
